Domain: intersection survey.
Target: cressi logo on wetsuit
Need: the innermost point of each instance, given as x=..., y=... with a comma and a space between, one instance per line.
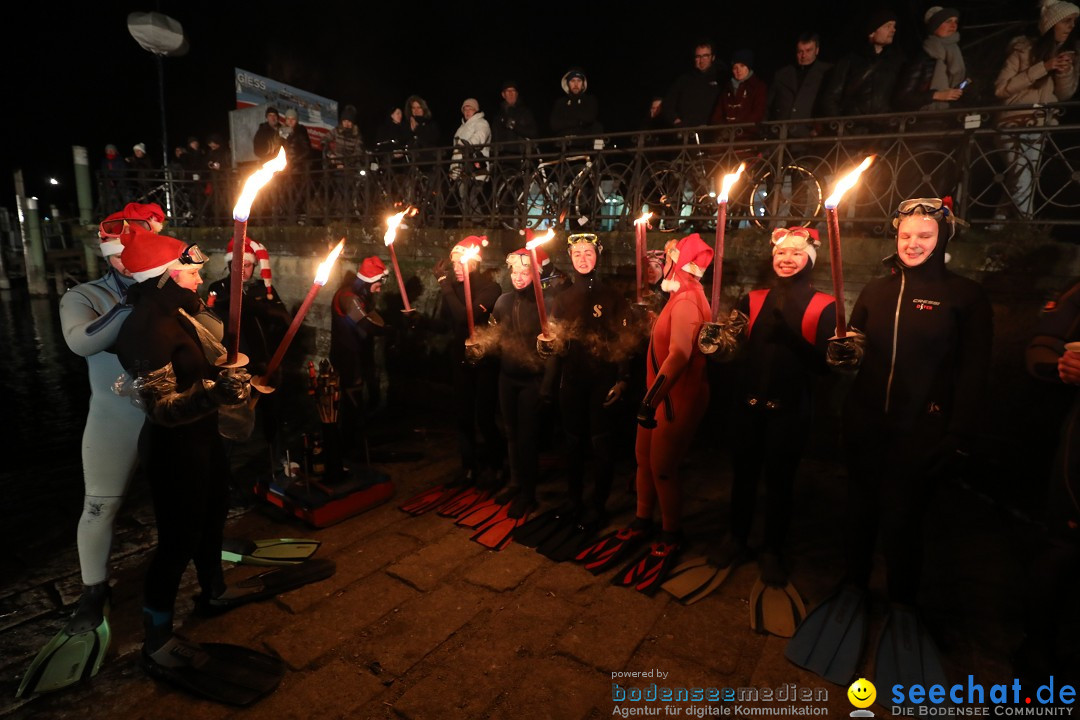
x=921, y=304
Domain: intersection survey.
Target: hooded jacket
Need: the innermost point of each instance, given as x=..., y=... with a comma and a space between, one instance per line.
x=575, y=114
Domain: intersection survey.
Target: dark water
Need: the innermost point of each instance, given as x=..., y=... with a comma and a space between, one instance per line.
x=43, y=398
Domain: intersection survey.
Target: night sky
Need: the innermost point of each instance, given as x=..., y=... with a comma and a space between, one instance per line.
x=75, y=76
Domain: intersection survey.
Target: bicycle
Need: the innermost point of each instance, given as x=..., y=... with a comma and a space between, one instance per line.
x=683, y=192
x=572, y=189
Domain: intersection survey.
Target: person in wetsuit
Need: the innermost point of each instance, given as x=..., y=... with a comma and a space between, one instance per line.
x=782, y=351
x=592, y=318
x=516, y=322
x=1054, y=563
x=475, y=385
x=354, y=325
x=167, y=351
x=921, y=339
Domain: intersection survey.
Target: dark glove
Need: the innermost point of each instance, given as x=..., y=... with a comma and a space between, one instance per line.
x=846, y=353
x=646, y=416
x=232, y=387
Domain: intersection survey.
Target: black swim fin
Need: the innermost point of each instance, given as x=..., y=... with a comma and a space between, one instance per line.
x=267, y=585
x=227, y=674
x=275, y=551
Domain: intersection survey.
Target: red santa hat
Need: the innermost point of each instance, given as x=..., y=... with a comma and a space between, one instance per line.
x=253, y=250
x=540, y=254
x=468, y=243
x=145, y=211
x=692, y=255
x=522, y=255
x=372, y=270
x=147, y=254
x=799, y=238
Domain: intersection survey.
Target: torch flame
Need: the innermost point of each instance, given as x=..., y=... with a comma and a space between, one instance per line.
x=644, y=219
x=540, y=240
x=728, y=182
x=472, y=253
x=323, y=273
x=847, y=182
x=255, y=183
x=393, y=222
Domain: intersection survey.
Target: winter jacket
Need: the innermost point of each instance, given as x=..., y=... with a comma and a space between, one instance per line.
x=343, y=147
x=692, y=99
x=862, y=83
x=298, y=148
x=267, y=142
x=742, y=103
x=793, y=94
x=1024, y=80
x=471, y=143
x=513, y=124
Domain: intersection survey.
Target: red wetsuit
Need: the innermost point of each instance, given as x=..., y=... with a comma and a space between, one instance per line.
x=680, y=403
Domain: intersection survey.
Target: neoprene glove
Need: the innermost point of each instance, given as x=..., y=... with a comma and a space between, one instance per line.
x=232, y=387
x=846, y=353
x=646, y=416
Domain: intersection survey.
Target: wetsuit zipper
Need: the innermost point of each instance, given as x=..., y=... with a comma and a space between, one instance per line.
x=895, y=335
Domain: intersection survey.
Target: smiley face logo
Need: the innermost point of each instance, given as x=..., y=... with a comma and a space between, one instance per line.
x=862, y=693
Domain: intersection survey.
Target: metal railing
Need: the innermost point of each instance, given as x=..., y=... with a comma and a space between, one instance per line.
x=1012, y=165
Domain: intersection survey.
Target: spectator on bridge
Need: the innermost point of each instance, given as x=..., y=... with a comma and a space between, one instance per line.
x=578, y=112
x=515, y=123
x=218, y=161
x=217, y=157
x=653, y=122
x=114, y=189
x=862, y=82
x=267, y=140
x=193, y=161
x=140, y=169
x=297, y=142
x=423, y=130
x=934, y=78
x=394, y=128
x=343, y=146
x=472, y=146
x=744, y=99
x=691, y=100
x=1039, y=70
x=794, y=92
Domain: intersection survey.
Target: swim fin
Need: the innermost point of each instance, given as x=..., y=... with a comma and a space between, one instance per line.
x=540, y=527
x=77, y=651
x=427, y=500
x=267, y=585
x=280, y=551
x=613, y=547
x=829, y=642
x=775, y=609
x=577, y=531
x=462, y=501
x=906, y=654
x=227, y=674
x=647, y=572
x=498, y=531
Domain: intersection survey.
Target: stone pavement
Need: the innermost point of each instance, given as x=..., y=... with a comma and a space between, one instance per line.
x=421, y=623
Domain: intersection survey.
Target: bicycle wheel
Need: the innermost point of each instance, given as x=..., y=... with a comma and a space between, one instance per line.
x=518, y=202
x=791, y=196
x=601, y=197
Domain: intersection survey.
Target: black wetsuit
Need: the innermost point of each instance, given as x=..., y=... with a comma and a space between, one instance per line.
x=1054, y=560
x=352, y=353
x=593, y=318
x=915, y=401
x=520, y=373
x=475, y=386
x=185, y=461
x=771, y=420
